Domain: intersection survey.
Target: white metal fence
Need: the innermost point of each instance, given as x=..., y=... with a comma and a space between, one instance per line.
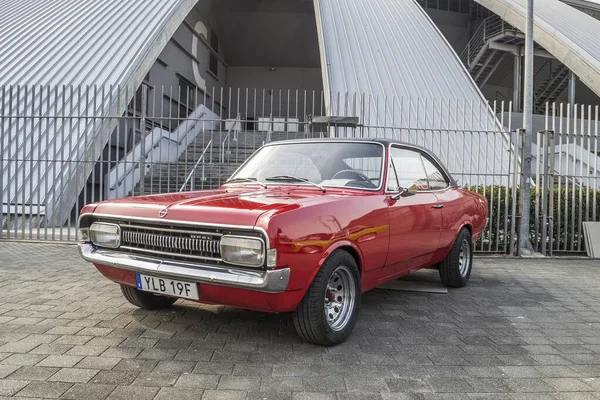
x=566, y=177
x=171, y=139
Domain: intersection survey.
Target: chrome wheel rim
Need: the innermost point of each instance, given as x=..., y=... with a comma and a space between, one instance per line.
x=464, y=258
x=340, y=295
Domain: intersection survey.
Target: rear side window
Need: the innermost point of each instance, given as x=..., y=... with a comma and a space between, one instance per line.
x=409, y=169
x=437, y=180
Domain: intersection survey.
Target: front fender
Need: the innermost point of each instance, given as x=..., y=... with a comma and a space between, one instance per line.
x=335, y=246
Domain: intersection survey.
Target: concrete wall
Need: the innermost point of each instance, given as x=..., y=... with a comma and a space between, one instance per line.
x=239, y=70
x=455, y=27
x=497, y=93
x=188, y=57
x=273, y=88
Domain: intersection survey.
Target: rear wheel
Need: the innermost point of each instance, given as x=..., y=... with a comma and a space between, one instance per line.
x=455, y=270
x=329, y=310
x=145, y=300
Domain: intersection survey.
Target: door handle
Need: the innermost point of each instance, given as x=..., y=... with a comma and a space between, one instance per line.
x=438, y=206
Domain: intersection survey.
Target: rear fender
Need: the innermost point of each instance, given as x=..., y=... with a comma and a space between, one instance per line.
x=468, y=225
x=443, y=252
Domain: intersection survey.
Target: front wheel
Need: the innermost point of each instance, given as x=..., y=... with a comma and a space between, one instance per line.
x=329, y=310
x=455, y=270
x=145, y=300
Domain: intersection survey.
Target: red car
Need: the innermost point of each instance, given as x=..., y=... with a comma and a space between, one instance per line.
x=302, y=227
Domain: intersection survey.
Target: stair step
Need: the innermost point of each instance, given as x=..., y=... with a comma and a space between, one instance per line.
x=169, y=177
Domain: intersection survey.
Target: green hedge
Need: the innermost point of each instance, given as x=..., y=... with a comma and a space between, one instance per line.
x=567, y=236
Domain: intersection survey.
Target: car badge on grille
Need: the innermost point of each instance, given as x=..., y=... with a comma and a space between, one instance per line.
x=163, y=213
x=201, y=237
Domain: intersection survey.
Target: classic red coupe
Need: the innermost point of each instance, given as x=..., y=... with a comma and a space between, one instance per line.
x=302, y=226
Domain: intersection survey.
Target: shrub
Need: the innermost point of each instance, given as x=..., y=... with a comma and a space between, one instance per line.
x=565, y=237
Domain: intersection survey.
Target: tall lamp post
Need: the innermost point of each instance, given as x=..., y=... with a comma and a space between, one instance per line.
x=525, y=247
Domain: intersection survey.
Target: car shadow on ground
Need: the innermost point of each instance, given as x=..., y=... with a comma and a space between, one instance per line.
x=220, y=326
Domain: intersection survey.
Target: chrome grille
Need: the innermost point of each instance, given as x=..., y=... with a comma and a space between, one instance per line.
x=175, y=243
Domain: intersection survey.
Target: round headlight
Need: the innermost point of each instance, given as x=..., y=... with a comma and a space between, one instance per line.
x=244, y=251
x=105, y=235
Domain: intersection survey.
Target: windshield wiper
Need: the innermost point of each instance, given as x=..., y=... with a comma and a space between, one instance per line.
x=290, y=178
x=240, y=180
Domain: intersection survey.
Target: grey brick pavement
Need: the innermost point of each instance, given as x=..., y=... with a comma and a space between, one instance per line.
x=523, y=329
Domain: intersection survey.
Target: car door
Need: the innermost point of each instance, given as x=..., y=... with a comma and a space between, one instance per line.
x=415, y=220
x=450, y=199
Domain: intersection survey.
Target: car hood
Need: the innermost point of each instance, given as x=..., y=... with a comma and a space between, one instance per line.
x=239, y=206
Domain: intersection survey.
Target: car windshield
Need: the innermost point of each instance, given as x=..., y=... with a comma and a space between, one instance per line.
x=322, y=164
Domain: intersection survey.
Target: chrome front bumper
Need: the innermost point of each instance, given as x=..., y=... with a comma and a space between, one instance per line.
x=275, y=281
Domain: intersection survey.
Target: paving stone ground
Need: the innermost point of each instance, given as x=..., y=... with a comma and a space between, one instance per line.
x=522, y=329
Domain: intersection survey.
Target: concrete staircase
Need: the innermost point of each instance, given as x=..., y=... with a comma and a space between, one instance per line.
x=487, y=48
x=221, y=159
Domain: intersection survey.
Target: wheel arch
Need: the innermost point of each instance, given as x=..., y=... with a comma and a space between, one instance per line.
x=345, y=245
x=354, y=253
x=466, y=225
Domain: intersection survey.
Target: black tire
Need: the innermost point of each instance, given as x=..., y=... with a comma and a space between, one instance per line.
x=453, y=271
x=310, y=318
x=145, y=300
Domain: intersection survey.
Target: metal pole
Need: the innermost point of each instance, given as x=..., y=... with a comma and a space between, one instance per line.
x=144, y=111
x=572, y=84
x=525, y=247
x=518, y=93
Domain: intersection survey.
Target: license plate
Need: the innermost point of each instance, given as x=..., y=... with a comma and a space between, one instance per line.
x=184, y=290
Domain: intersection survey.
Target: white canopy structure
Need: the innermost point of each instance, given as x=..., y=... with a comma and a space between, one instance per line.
x=570, y=35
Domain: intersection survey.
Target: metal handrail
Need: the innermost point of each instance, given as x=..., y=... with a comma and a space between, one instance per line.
x=196, y=167
x=238, y=118
x=545, y=70
x=556, y=77
x=144, y=153
x=490, y=27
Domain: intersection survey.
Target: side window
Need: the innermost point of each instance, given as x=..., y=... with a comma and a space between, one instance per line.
x=409, y=169
x=392, y=185
x=437, y=180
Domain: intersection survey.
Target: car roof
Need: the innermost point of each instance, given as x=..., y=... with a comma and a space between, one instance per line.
x=383, y=141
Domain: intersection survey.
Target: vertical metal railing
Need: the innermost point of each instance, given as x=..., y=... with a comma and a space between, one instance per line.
x=167, y=136
x=566, y=179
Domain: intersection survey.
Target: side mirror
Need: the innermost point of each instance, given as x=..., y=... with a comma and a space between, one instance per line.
x=404, y=192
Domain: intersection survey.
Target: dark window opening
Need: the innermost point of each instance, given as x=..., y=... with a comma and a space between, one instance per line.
x=187, y=97
x=214, y=60
x=250, y=124
x=137, y=103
